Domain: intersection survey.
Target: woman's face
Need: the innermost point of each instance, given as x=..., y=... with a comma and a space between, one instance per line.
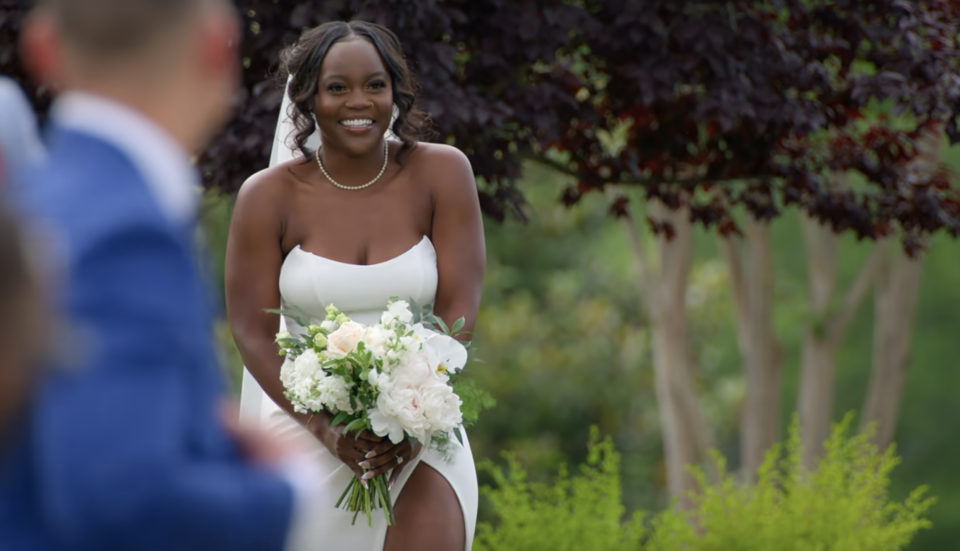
x=354, y=103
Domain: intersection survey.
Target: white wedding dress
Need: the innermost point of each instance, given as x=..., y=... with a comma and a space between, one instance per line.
x=312, y=282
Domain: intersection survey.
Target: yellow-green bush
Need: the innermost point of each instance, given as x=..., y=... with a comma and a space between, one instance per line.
x=843, y=505
x=576, y=513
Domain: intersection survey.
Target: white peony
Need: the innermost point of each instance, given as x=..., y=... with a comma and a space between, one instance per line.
x=385, y=425
x=329, y=326
x=399, y=310
x=412, y=399
x=441, y=407
x=398, y=411
x=413, y=370
x=377, y=340
x=344, y=340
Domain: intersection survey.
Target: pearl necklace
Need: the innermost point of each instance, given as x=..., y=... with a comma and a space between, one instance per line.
x=386, y=157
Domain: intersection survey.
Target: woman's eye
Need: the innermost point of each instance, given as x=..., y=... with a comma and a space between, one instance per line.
x=378, y=85
x=336, y=88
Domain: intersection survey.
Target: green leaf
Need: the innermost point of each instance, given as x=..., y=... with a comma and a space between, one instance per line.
x=298, y=315
x=339, y=418
x=356, y=424
x=459, y=435
x=290, y=341
x=459, y=325
x=415, y=309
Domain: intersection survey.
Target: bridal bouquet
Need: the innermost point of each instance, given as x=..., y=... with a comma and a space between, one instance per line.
x=397, y=378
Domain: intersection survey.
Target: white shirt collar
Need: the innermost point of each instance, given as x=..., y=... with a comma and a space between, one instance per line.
x=162, y=162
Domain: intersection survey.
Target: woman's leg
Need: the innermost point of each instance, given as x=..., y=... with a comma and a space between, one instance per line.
x=428, y=515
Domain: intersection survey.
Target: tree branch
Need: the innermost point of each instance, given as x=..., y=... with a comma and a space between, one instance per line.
x=648, y=280
x=858, y=291
x=735, y=261
x=691, y=182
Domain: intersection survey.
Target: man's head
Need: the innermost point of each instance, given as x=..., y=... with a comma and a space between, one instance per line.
x=175, y=60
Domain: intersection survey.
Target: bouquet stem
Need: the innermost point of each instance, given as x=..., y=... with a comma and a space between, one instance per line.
x=376, y=495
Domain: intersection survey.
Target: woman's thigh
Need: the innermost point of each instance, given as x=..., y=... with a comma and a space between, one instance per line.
x=428, y=515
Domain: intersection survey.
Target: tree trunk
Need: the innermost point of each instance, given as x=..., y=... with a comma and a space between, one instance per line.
x=895, y=305
x=686, y=433
x=753, y=285
x=818, y=357
x=825, y=332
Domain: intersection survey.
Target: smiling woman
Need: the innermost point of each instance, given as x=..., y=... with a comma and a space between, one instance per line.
x=352, y=223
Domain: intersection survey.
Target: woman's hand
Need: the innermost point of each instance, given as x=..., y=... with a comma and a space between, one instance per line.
x=352, y=448
x=389, y=456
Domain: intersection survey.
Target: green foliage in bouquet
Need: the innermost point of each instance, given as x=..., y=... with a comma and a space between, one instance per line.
x=843, y=505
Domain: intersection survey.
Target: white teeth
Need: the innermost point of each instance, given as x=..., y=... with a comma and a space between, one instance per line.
x=357, y=122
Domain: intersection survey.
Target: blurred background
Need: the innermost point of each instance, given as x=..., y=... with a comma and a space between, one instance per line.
x=812, y=265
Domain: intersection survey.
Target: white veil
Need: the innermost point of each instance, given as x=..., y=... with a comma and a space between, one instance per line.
x=251, y=395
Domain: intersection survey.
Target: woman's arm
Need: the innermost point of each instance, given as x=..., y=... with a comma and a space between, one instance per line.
x=457, y=235
x=252, y=273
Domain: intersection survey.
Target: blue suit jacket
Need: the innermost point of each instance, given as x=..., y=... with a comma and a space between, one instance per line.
x=124, y=449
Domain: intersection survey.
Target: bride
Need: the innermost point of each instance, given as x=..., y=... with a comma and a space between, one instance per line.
x=351, y=217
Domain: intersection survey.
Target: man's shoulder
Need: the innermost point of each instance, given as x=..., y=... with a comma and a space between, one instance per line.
x=87, y=194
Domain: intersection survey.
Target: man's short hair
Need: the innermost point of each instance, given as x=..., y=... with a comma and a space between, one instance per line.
x=109, y=27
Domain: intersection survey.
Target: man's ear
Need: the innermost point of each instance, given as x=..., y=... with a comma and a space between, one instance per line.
x=220, y=41
x=41, y=48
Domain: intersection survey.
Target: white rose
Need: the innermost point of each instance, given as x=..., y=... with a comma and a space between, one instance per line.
x=344, y=340
x=399, y=310
x=329, y=326
x=307, y=365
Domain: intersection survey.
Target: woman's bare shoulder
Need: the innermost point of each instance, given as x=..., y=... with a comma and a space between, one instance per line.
x=270, y=184
x=433, y=153
x=443, y=167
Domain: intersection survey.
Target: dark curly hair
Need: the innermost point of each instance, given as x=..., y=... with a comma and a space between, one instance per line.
x=303, y=59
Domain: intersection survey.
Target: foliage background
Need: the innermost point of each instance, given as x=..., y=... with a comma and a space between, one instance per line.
x=564, y=339
x=565, y=346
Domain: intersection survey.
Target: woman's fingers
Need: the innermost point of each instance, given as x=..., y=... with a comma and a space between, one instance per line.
x=369, y=437
x=394, y=459
x=382, y=449
x=396, y=473
x=363, y=440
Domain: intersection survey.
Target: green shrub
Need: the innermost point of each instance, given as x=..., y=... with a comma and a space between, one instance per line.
x=843, y=505
x=576, y=513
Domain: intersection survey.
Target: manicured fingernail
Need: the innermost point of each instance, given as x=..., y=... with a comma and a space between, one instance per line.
x=370, y=455
x=365, y=464
x=363, y=482
x=367, y=476
x=392, y=482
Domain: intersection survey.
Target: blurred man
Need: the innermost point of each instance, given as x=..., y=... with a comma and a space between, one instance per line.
x=19, y=137
x=19, y=325
x=126, y=449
